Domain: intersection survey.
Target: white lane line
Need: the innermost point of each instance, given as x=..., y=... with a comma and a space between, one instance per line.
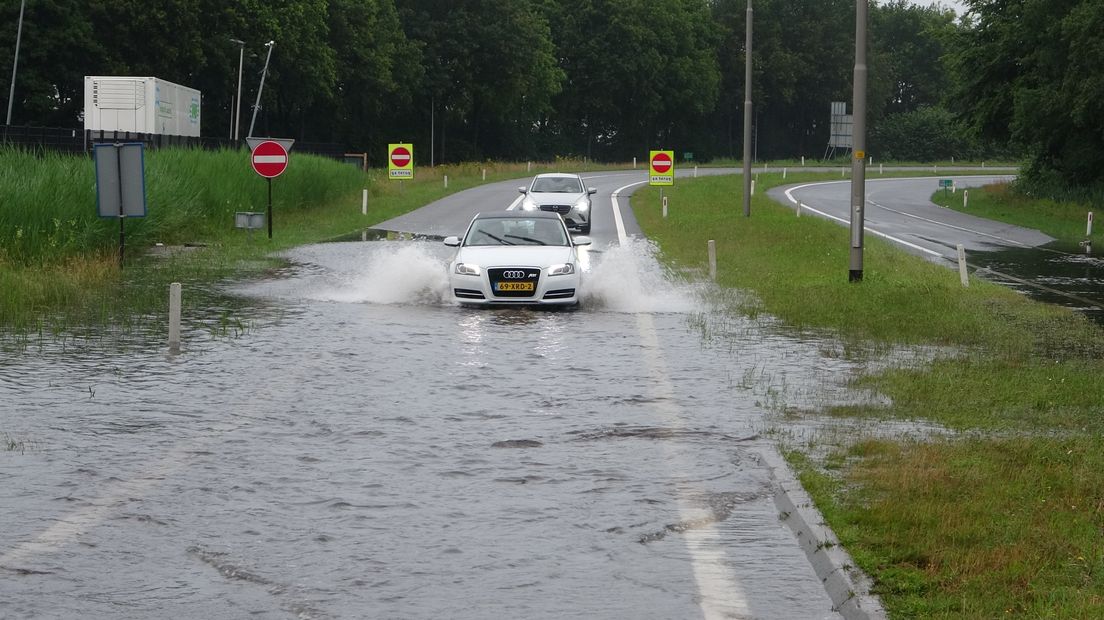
x=868, y=229
x=622, y=238
x=951, y=226
x=515, y=203
x=720, y=594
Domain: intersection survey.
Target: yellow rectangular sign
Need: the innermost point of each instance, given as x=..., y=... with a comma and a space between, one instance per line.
x=400, y=161
x=661, y=168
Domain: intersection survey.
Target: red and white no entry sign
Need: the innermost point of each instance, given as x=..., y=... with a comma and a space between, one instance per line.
x=269, y=159
x=400, y=156
x=661, y=163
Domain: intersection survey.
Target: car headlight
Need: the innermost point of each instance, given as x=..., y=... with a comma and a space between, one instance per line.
x=466, y=269
x=528, y=205
x=582, y=205
x=562, y=270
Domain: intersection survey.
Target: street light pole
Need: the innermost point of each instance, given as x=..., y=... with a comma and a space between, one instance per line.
x=747, y=115
x=257, y=106
x=858, y=159
x=15, y=63
x=236, y=115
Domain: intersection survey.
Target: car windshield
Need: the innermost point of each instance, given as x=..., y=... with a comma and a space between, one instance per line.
x=557, y=185
x=516, y=231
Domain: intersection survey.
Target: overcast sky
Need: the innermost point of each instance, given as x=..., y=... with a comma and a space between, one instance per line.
x=958, y=6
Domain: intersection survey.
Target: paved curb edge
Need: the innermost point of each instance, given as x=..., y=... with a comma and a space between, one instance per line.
x=847, y=586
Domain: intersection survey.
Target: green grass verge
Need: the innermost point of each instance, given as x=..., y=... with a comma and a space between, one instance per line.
x=1063, y=220
x=1002, y=520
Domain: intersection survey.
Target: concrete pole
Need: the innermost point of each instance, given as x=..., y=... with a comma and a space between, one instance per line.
x=15, y=62
x=747, y=114
x=858, y=159
x=174, y=317
x=260, y=89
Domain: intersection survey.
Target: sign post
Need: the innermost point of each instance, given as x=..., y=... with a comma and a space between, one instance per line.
x=120, y=184
x=661, y=168
x=269, y=160
x=400, y=161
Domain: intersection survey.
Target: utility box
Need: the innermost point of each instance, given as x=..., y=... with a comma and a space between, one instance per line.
x=141, y=105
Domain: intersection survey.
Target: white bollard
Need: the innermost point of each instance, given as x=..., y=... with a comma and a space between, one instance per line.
x=879, y=168
x=484, y=174
x=364, y=235
x=935, y=169
x=783, y=173
x=954, y=187
x=174, y=317
x=664, y=207
x=983, y=165
x=843, y=172
x=965, y=198
x=952, y=160
x=712, y=260
x=634, y=163
x=695, y=172
x=871, y=160
x=799, y=206
x=962, y=266
x=1088, y=227
x=528, y=166
x=753, y=187
x=802, y=161
x=446, y=181
x=364, y=202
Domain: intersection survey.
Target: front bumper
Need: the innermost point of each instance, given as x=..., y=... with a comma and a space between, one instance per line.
x=548, y=290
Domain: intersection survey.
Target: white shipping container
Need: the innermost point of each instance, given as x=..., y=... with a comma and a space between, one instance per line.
x=140, y=104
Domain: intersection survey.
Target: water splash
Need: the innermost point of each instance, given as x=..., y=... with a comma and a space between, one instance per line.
x=630, y=279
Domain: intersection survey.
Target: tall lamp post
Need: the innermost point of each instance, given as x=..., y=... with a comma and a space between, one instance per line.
x=747, y=115
x=264, y=72
x=235, y=116
x=858, y=159
x=15, y=63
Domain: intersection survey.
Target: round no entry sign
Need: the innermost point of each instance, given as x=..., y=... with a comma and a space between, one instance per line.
x=661, y=163
x=269, y=159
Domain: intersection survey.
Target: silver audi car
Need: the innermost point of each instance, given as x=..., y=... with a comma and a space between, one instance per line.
x=560, y=193
x=516, y=258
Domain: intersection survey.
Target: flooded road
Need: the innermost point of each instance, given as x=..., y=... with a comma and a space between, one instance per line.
x=368, y=450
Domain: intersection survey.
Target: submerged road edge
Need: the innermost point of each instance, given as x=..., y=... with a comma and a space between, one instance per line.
x=846, y=584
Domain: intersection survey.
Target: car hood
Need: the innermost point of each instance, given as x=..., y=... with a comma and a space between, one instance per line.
x=555, y=198
x=516, y=255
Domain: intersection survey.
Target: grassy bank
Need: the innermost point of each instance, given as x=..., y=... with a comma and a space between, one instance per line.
x=58, y=261
x=1060, y=219
x=1002, y=519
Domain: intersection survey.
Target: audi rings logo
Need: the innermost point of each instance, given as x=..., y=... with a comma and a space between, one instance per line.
x=515, y=274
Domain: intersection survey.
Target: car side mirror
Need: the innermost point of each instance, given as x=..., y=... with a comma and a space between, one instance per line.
x=581, y=240
x=452, y=242
x=522, y=190
x=592, y=190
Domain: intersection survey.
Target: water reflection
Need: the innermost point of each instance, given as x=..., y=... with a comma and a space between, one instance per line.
x=1059, y=273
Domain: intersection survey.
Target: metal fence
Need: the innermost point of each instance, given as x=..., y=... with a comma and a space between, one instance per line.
x=67, y=140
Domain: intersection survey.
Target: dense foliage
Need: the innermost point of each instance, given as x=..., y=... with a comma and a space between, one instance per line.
x=605, y=79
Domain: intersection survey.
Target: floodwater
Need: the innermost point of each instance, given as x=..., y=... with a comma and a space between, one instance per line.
x=1059, y=273
x=366, y=449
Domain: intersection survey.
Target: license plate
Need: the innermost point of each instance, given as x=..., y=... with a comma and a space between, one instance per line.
x=514, y=286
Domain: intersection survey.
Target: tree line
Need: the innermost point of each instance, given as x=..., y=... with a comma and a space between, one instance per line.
x=602, y=79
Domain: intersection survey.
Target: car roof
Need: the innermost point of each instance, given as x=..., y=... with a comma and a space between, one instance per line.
x=518, y=215
x=557, y=175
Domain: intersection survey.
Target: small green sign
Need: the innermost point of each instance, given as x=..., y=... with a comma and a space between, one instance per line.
x=688, y=156
x=945, y=182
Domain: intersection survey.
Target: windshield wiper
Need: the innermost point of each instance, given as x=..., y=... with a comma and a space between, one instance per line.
x=500, y=241
x=530, y=239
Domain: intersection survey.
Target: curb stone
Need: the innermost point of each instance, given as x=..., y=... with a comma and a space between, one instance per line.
x=847, y=586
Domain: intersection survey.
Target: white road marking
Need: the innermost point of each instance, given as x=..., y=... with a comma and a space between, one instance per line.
x=720, y=593
x=515, y=203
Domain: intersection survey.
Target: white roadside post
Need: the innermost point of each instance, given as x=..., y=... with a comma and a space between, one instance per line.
x=962, y=266
x=1088, y=226
x=753, y=187
x=174, y=317
x=695, y=172
x=879, y=168
x=665, y=207
x=799, y=206
x=484, y=174
x=364, y=202
x=528, y=166
x=965, y=198
x=802, y=161
x=783, y=174
x=634, y=163
x=712, y=260
x=446, y=181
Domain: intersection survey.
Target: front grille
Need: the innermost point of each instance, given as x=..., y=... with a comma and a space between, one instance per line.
x=528, y=274
x=562, y=293
x=467, y=293
x=561, y=209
